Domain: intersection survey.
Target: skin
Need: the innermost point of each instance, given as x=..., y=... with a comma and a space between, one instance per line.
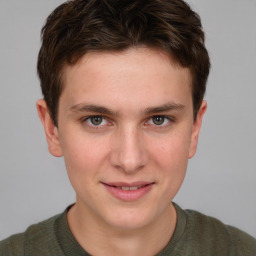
x=145, y=132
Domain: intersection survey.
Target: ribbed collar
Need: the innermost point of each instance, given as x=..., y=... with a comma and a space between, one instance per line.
x=71, y=247
x=177, y=235
x=65, y=238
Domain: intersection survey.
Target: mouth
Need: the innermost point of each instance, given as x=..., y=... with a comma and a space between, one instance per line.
x=131, y=188
x=128, y=191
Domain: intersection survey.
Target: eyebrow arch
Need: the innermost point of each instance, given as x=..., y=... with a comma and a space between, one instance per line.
x=105, y=111
x=164, y=108
x=92, y=108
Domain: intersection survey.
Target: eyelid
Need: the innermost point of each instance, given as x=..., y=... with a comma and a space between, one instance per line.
x=104, y=118
x=84, y=119
x=170, y=119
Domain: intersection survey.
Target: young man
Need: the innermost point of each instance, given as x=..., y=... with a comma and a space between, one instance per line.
x=123, y=84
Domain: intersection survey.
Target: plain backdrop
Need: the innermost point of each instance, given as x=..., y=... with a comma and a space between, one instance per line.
x=221, y=179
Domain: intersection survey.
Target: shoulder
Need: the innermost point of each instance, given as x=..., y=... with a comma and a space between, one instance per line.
x=13, y=245
x=212, y=233
x=35, y=236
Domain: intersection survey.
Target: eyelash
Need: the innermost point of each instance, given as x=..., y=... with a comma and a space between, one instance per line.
x=166, y=119
x=87, y=119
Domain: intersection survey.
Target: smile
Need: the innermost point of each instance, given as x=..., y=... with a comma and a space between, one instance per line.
x=128, y=192
x=130, y=188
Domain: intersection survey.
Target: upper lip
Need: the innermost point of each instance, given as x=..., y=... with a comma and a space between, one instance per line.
x=130, y=184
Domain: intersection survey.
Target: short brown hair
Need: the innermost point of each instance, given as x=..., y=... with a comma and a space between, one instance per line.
x=77, y=27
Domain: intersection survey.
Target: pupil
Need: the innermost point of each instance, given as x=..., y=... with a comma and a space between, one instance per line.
x=158, y=120
x=96, y=120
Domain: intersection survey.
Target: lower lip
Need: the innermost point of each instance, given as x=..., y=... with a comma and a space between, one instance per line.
x=128, y=195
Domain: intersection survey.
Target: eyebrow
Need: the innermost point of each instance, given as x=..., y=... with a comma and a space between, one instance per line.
x=92, y=108
x=164, y=108
x=106, y=111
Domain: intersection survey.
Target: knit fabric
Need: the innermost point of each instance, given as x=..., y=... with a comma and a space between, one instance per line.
x=195, y=235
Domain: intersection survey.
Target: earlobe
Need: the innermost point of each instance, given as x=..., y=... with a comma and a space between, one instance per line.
x=51, y=131
x=196, y=129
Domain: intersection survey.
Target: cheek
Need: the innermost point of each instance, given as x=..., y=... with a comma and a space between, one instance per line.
x=171, y=158
x=83, y=158
x=172, y=151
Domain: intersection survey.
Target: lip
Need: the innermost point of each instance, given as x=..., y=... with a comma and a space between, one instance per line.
x=114, y=188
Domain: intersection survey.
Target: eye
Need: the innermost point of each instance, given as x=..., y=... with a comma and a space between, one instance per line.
x=96, y=121
x=159, y=120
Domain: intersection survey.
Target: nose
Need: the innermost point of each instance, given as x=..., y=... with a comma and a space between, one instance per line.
x=129, y=152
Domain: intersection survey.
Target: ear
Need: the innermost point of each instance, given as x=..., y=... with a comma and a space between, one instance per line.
x=51, y=131
x=196, y=129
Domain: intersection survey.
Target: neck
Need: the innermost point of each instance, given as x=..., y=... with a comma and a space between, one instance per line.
x=99, y=239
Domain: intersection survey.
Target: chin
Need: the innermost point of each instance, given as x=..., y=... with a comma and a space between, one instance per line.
x=130, y=219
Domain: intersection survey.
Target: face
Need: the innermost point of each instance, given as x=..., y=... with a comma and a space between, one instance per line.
x=126, y=131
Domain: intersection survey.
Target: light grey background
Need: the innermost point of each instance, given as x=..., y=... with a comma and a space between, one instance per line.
x=221, y=179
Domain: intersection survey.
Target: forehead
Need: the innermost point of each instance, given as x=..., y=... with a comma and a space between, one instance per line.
x=139, y=74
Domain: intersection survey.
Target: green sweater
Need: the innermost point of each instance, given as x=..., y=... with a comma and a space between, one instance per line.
x=195, y=235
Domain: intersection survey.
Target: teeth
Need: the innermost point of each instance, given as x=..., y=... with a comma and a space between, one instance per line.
x=130, y=188
x=134, y=188
x=125, y=188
